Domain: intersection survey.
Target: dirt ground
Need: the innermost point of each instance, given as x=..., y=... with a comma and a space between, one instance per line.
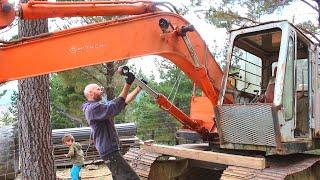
x=89, y=172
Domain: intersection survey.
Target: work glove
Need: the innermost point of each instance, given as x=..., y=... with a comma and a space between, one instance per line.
x=130, y=78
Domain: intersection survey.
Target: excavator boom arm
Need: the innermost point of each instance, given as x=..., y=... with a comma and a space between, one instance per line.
x=110, y=41
x=116, y=40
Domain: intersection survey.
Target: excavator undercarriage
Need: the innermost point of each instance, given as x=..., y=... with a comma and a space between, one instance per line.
x=154, y=166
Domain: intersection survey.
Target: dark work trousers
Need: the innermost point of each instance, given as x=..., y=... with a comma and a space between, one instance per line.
x=119, y=167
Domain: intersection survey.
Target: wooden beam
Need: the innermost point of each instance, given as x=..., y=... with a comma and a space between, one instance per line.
x=209, y=156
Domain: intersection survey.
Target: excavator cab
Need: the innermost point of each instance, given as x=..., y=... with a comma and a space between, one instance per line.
x=272, y=61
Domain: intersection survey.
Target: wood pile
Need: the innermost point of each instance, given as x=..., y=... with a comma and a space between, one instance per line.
x=9, y=155
x=127, y=135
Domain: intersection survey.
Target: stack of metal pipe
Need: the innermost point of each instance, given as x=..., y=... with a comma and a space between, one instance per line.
x=127, y=135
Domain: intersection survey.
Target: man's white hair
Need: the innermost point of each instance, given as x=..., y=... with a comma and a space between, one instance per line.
x=88, y=88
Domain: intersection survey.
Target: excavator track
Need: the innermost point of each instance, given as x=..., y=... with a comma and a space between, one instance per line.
x=291, y=167
x=297, y=166
x=141, y=161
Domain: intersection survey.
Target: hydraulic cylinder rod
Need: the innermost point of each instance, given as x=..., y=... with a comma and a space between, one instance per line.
x=43, y=9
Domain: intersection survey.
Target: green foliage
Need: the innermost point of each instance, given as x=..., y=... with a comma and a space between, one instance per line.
x=2, y=93
x=14, y=37
x=60, y=121
x=309, y=28
x=231, y=14
x=7, y=119
x=222, y=18
x=11, y=116
x=176, y=85
x=227, y=15
x=63, y=100
x=308, y=25
x=66, y=101
x=156, y=123
x=152, y=122
x=13, y=109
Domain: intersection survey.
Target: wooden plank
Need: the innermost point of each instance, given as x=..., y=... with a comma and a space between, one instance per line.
x=208, y=156
x=200, y=146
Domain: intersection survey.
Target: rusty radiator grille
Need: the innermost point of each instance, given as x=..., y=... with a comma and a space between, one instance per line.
x=250, y=124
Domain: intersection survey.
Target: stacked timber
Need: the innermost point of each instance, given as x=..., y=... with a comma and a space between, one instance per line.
x=9, y=155
x=127, y=135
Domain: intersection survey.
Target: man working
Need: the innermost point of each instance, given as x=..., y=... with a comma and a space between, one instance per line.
x=100, y=119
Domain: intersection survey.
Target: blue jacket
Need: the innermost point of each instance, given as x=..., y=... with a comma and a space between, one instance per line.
x=100, y=119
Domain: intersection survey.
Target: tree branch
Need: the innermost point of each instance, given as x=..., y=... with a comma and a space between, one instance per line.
x=240, y=17
x=310, y=33
x=313, y=7
x=71, y=117
x=234, y=16
x=85, y=20
x=100, y=70
x=2, y=93
x=88, y=73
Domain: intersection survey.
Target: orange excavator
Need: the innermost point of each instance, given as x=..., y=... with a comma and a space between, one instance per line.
x=228, y=115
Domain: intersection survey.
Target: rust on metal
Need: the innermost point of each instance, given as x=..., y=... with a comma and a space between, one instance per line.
x=280, y=167
x=141, y=161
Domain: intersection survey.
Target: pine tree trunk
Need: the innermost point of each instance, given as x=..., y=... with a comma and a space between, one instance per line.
x=34, y=116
